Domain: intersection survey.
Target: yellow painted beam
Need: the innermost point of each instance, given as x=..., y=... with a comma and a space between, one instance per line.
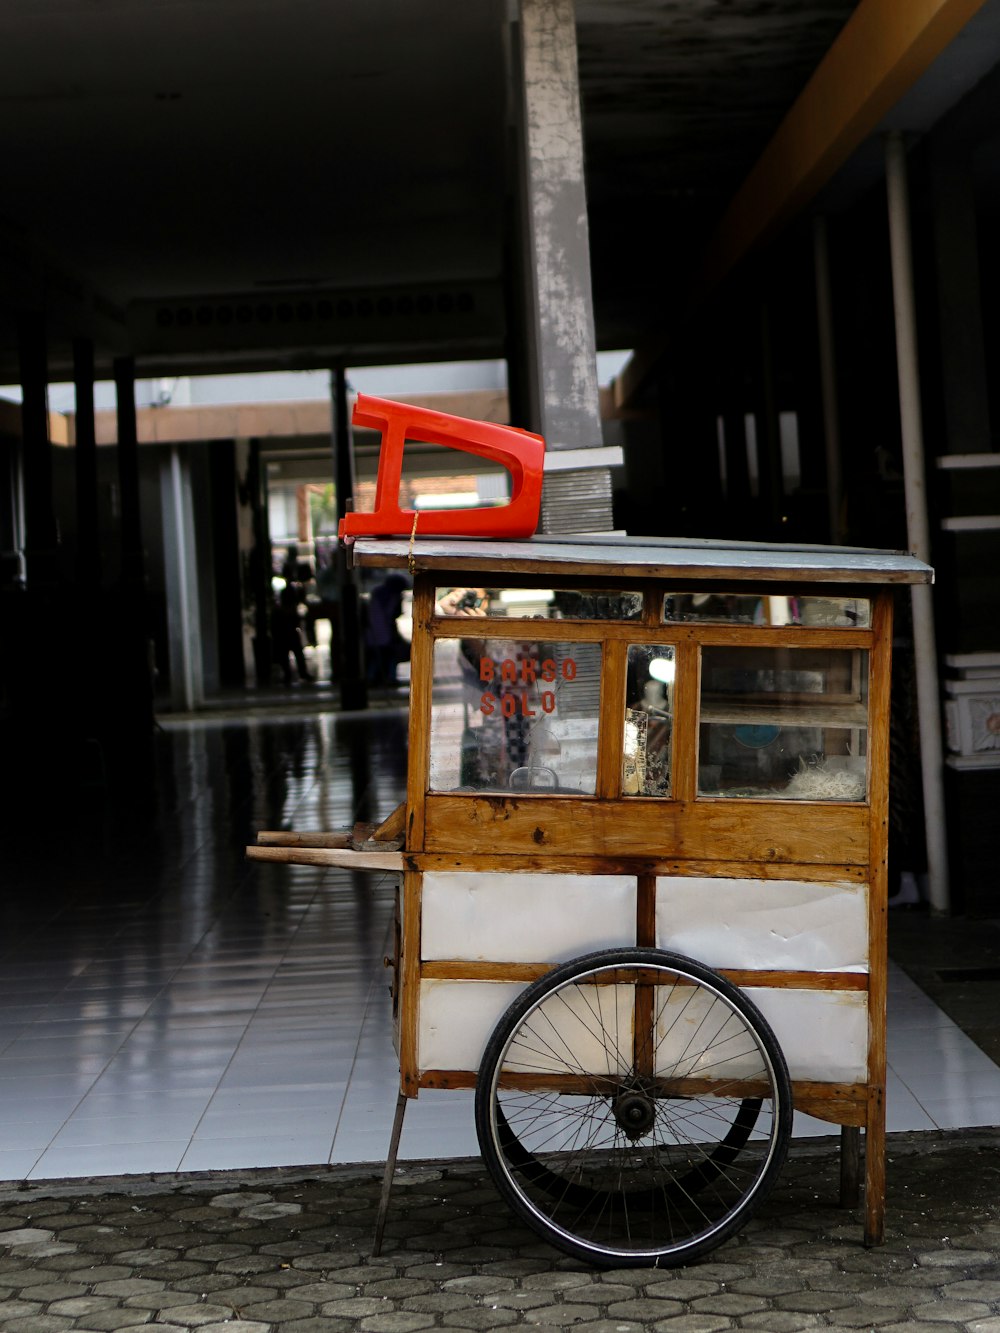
x=882, y=50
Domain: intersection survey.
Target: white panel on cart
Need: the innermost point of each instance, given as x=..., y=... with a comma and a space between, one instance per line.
x=456, y=1019
x=778, y=923
x=515, y=918
x=823, y=1034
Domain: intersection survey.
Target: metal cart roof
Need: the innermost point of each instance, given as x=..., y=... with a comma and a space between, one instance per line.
x=609, y=554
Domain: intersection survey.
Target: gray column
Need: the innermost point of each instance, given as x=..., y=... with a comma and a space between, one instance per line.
x=181, y=567
x=41, y=529
x=88, y=547
x=562, y=355
x=351, y=665
x=917, y=527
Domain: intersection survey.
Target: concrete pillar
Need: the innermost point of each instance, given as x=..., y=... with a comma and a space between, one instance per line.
x=351, y=665
x=88, y=547
x=561, y=365
x=181, y=568
x=132, y=552
x=41, y=530
x=918, y=531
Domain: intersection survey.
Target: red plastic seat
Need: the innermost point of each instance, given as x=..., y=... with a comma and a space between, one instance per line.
x=520, y=452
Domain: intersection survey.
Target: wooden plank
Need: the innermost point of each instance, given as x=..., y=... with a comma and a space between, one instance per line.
x=635, y=865
x=393, y=826
x=421, y=700
x=343, y=858
x=409, y=984
x=283, y=838
x=838, y=1103
x=610, y=738
x=707, y=830
x=461, y=969
x=633, y=631
x=879, y=697
x=685, y=737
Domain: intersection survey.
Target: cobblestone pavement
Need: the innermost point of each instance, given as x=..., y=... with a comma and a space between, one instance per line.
x=290, y=1250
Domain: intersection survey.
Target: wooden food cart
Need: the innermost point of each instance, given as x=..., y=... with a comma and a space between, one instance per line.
x=642, y=905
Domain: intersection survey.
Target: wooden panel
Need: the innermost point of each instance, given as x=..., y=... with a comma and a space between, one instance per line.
x=634, y=865
x=878, y=764
x=286, y=838
x=685, y=738
x=612, y=727
x=838, y=1103
x=343, y=858
x=460, y=969
x=409, y=984
x=767, y=831
x=421, y=692
x=634, y=631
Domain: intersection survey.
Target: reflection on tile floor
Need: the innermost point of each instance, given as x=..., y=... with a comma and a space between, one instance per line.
x=173, y=1007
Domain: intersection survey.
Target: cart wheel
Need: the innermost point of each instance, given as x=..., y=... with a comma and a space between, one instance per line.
x=633, y=1107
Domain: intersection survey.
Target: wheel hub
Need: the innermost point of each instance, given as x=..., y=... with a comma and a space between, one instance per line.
x=635, y=1112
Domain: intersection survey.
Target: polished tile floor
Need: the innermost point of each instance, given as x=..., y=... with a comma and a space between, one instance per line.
x=166, y=1005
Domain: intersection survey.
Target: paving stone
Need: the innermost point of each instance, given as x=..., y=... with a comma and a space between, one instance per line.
x=446, y=1302
x=233, y=1326
x=491, y=1316
x=396, y=1321
x=780, y=1321
x=958, y=1312
x=355, y=1307
x=680, y=1288
x=273, y=1311
x=814, y=1302
x=693, y=1323
x=559, y=1315
x=642, y=1308
x=728, y=1303
x=404, y=1286
x=599, y=1293
x=973, y=1289
x=13, y=1309
x=111, y=1321
x=866, y=1316
x=132, y=1286
x=194, y=1316
x=38, y=1323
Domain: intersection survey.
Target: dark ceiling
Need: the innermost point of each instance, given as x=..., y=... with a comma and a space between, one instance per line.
x=172, y=167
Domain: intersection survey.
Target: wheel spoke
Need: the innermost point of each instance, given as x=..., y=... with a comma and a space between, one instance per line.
x=609, y=1159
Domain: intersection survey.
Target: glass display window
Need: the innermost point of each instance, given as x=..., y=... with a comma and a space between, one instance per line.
x=539, y=603
x=515, y=716
x=649, y=710
x=783, y=723
x=729, y=608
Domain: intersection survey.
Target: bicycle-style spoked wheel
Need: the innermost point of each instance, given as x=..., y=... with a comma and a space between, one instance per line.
x=633, y=1107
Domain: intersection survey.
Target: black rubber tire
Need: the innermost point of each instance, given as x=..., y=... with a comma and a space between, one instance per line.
x=673, y=1188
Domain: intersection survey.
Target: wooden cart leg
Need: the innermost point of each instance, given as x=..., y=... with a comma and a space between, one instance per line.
x=850, y=1165
x=875, y=1168
x=390, y=1170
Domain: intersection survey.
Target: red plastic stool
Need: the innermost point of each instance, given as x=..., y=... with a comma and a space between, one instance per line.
x=520, y=452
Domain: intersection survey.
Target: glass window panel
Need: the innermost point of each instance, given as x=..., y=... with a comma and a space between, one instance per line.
x=740, y=608
x=539, y=603
x=784, y=723
x=515, y=716
x=649, y=708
